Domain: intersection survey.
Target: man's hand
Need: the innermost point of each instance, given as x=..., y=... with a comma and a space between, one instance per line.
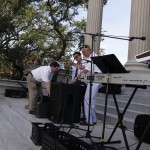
x=73, y=81
x=84, y=71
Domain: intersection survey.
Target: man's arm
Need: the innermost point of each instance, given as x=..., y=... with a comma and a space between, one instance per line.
x=48, y=87
x=84, y=71
x=79, y=66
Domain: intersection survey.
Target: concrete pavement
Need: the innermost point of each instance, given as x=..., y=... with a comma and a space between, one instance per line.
x=15, y=128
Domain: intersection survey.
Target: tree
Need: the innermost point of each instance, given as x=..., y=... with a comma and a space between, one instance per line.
x=44, y=28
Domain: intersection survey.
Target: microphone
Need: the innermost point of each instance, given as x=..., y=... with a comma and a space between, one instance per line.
x=143, y=38
x=140, y=38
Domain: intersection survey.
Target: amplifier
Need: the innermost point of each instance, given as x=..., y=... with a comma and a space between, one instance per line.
x=42, y=109
x=65, y=102
x=15, y=93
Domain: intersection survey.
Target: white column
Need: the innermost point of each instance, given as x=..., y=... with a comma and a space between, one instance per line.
x=94, y=23
x=139, y=27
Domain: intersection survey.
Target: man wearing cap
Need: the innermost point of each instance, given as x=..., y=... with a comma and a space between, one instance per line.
x=87, y=52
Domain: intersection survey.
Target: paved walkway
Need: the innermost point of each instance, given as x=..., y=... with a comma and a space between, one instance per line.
x=15, y=129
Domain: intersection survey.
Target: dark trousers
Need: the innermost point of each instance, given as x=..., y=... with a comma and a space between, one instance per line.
x=82, y=102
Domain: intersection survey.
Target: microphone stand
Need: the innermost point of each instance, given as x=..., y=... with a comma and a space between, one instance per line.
x=128, y=38
x=91, y=80
x=71, y=125
x=90, y=92
x=88, y=135
x=67, y=76
x=67, y=72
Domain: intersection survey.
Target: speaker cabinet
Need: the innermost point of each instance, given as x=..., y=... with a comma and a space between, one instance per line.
x=140, y=124
x=42, y=109
x=15, y=93
x=65, y=102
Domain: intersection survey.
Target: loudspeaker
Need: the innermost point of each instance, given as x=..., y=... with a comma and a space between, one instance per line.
x=42, y=108
x=140, y=124
x=15, y=93
x=65, y=102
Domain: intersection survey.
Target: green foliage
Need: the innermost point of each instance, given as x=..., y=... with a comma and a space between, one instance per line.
x=39, y=29
x=6, y=25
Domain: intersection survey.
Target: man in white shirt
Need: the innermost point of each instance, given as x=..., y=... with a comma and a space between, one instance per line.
x=78, y=66
x=87, y=52
x=34, y=79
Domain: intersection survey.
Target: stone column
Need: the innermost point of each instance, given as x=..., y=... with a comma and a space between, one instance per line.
x=94, y=23
x=139, y=27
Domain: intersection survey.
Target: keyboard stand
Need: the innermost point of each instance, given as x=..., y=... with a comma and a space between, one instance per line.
x=109, y=64
x=121, y=114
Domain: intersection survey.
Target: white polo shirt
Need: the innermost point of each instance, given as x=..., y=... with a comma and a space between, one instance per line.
x=95, y=69
x=42, y=74
x=82, y=63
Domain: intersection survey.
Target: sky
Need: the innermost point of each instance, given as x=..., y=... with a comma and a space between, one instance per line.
x=116, y=21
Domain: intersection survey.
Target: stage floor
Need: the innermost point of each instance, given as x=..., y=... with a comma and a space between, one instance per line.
x=15, y=128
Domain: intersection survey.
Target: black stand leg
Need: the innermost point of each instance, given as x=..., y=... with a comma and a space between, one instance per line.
x=72, y=126
x=64, y=104
x=102, y=143
x=88, y=134
x=120, y=117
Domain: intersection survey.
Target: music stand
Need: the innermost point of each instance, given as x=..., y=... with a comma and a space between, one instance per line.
x=110, y=64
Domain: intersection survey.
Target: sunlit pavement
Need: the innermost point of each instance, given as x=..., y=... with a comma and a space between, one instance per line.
x=15, y=129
